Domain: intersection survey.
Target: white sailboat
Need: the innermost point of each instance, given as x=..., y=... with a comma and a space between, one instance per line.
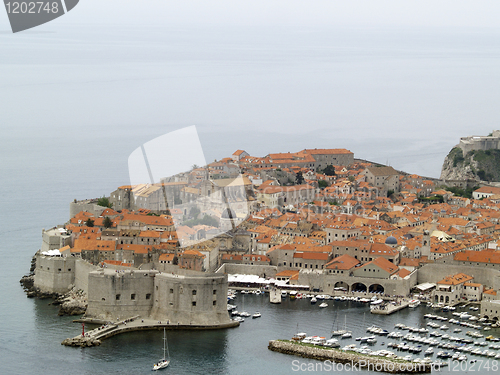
x=166, y=355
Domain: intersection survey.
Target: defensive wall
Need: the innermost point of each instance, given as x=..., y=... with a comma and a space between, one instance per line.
x=432, y=273
x=82, y=270
x=57, y=274
x=190, y=298
x=54, y=274
x=120, y=295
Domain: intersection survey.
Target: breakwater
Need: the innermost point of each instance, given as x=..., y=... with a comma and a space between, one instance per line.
x=109, y=329
x=355, y=360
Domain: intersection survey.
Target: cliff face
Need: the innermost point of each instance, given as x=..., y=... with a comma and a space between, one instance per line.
x=476, y=165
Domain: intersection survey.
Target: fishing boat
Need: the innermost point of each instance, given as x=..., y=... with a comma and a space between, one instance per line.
x=166, y=355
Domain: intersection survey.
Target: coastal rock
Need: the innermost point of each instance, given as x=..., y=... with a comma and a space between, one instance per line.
x=475, y=165
x=455, y=166
x=72, y=303
x=27, y=282
x=81, y=342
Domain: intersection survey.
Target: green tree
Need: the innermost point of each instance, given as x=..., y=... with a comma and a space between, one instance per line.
x=329, y=170
x=299, y=179
x=104, y=202
x=89, y=222
x=107, y=222
x=194, y=212
x=322, y=184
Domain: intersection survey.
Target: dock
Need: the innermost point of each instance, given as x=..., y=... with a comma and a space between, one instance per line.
x=109, y=329
x=389, y=308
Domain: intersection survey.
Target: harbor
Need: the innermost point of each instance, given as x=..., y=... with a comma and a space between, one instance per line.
x=293, y=315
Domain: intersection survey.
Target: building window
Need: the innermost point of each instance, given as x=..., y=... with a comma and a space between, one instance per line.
x=148, y=296
x=215, y=292
x=194, y=292
x=215, y=303
x=132, y=296
x=194, y=303
x=103, y=299
x=117, y=297
x=171, y=290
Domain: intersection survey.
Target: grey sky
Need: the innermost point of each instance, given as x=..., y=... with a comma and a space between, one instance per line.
x=396, y=81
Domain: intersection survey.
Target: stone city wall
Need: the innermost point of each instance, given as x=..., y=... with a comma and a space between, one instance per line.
x=120, y=295
x=191, y=299
x=82, y=270
x=432, y=273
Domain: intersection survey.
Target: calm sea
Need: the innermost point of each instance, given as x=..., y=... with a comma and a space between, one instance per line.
x=77, y=99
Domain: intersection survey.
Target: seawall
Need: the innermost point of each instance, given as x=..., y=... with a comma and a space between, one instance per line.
x=354, y=360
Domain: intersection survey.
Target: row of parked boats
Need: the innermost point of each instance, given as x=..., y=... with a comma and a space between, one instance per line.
x=363, y=349
x=465, y=320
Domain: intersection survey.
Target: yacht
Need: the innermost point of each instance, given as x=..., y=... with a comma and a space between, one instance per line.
x=163, y=363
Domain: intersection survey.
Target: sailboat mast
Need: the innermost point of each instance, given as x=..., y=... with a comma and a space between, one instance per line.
x=164, y=342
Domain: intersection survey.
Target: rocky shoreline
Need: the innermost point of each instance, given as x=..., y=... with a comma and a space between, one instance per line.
x=352, y=360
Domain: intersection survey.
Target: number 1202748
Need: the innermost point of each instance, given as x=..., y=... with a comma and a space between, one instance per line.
x=32, y=7
x=480, y=366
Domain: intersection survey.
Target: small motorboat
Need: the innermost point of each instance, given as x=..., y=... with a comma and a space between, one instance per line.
x=256, y=315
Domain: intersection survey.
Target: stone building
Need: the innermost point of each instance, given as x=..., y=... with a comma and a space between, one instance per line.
x=384, y=178
x=55, y=238
x=451, y=289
